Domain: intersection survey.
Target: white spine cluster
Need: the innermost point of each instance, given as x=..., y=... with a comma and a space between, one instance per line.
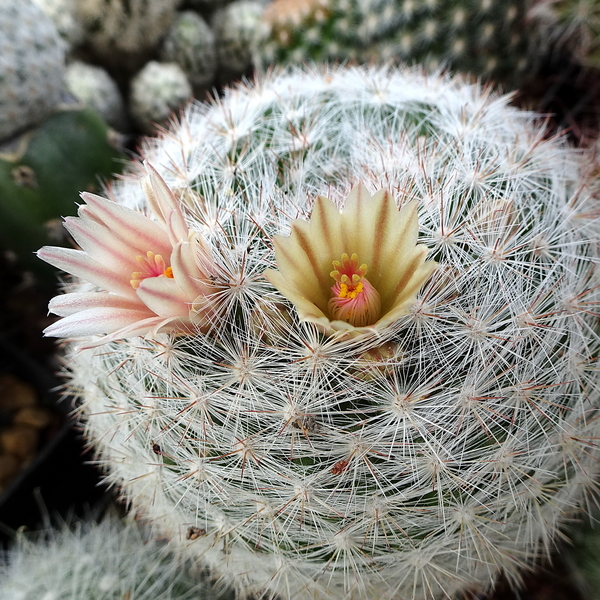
x=32, y=63
x=428, y=458
x=109, y=560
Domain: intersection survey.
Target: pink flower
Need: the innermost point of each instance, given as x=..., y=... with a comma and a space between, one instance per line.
x=355, y=270
x=153, y=273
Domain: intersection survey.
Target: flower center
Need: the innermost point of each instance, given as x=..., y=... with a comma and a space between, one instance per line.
x=354, y=300
x=152, y=265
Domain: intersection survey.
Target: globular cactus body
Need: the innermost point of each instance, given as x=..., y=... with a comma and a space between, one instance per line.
x=32, y=63
x=484, y=37
x=409, y=460
x=110, y=560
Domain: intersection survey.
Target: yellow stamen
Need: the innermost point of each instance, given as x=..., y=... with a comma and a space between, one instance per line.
x=153, y=265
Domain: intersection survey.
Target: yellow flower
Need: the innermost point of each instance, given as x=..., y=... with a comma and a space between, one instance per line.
x=353, y=270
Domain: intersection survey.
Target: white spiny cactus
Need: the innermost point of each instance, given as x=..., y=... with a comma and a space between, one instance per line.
x=109, y=560
x=32, y=63
x=408, y=459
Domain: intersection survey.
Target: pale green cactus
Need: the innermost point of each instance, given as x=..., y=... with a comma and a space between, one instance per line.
x=487, y=38
x=32, y=64
x=236, y=28
x=95, y=88
x=304, y=455
x=156, y=91
x=191, y=44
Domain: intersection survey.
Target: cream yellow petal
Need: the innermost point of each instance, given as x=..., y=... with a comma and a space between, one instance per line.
x=407, y=295
x=299, y=262
x=307, y=310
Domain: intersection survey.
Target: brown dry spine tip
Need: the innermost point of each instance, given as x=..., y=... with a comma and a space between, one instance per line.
x=193, y=532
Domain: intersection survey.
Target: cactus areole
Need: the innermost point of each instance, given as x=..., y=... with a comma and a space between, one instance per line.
x=357, y=357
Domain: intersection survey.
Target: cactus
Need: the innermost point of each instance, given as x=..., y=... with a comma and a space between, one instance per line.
x=483, y=37
x=191, y=44
x=96, y=89
x=302, y=451
x=32, y=57
x=109, y=560
x=40, y=181
x=569, y=25
x=156, y=91
x=124, y=32
x=236, y=29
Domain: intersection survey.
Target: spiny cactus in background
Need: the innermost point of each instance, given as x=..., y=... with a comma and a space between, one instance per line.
x=313, y=427
x=124, y=32
x=32, y=63
x=41, y=178
x=96, y=89
x=191, y=44
x=109, y=560
x=236, y=28
x=156, y=91
x=571, y=26
x=484, y=37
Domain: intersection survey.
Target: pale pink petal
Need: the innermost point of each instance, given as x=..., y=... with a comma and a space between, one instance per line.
x=78, y=263
x=147, y=327
x=95, y=321
x=101, y=245
x=134, y=228
x=164, y=204
x=164, y=297
x=68, y=304
x=186, y=272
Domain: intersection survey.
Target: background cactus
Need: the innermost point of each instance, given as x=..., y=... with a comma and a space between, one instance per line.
x=109, y=560
x=483, y=37
x=236, y=28
x=191, y=44
x=96, y=89
x=41, y=178
x=447, y=448
x=156, y=91
x=123, y=33
x=571, y=26
x=32, y=57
